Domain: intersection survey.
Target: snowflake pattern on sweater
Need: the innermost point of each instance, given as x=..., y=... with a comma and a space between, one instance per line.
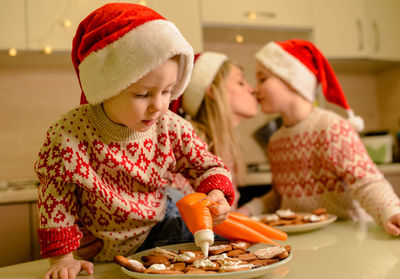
x=322, y=162
x=111, y=178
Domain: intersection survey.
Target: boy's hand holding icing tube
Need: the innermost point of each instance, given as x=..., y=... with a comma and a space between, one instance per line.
x=220, y=207
x=196, y=208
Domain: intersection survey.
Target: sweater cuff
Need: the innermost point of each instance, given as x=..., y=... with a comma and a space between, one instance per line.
x=218, y=182
x=59, y=241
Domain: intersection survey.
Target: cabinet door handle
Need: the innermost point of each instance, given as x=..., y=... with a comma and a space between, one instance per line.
x=254, y=15
x=377, y=44
x=360, y=34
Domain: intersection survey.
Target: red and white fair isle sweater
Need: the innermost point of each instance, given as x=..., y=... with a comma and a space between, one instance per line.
x=111, y=179
x=322, y=162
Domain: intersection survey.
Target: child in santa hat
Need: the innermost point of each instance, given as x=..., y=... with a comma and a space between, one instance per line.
x=317, y=158
x=216, y=100
x=103, y=163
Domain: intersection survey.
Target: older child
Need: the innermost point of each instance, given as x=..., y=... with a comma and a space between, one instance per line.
x=216, y=100
x=317, y=159
x=103, y=163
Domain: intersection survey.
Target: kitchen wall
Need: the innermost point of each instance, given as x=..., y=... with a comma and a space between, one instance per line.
x=388, y=94
x=34, y=91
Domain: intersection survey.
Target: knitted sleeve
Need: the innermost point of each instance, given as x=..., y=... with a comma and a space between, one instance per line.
x=267, y=203
x=204, y=171
x=58, y=233
x=347, y=157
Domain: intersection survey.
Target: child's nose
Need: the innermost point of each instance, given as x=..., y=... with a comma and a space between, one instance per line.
x=157, y=103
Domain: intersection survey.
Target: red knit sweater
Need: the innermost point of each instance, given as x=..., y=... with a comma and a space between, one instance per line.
x=112, y=179
x=321, y=162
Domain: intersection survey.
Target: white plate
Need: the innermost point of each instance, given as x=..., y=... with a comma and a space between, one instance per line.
x=191, y=246
x=302, y=227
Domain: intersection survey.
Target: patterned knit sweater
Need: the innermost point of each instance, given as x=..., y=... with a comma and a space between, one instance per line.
x=111, y=179
x=322, y=162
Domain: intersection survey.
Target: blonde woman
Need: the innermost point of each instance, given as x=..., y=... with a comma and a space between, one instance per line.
x=216, y=100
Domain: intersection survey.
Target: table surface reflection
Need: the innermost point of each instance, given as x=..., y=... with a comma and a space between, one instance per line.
x=342, y=250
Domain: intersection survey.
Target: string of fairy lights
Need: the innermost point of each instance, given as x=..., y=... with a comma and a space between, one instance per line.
x=62, y=20
x=65, y=22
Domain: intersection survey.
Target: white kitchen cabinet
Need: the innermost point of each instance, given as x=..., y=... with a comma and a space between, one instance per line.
x=366, y=29
x=384, y=26
x=257, y=13
x=12, y=31
x=53, y=23
x=15, y=234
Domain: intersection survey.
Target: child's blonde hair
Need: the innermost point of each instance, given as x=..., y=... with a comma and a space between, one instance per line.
x=213, y=123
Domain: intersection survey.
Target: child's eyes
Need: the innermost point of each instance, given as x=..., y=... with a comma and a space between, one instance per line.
x=261, y=80
x=147, y=94
x=141, y=95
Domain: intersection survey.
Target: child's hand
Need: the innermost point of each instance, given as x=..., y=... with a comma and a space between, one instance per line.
x=66, y=267
x=392, y=226
x=219, y=212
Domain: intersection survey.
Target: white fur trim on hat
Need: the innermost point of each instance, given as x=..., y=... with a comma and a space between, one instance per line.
x=356, y=121
x=288, y=68
x=108, y=71
x=205, y=69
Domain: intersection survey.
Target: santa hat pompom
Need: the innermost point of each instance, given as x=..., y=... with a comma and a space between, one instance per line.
x=205, y=68
x=304, y=67
x=356, y=121
x=119, y=43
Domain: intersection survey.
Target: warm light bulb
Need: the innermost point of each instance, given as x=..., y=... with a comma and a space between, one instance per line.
x=252, y=15
x=239, y=39
x=67, y=23
x=47, y=50
x=143, y=3
x=12, y=52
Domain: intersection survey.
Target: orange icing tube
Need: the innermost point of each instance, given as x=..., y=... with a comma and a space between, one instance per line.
x=262, y=228
x=197, y=217
x=235, y=230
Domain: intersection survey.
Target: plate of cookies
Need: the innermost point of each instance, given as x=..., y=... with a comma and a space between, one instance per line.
x=237, y=259
x=292, y=222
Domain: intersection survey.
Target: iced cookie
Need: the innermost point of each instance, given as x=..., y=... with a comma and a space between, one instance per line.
x=269, y=253
x=219, y=249
x=132, y=265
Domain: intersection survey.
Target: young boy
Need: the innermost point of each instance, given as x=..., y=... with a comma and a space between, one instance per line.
x=317, y=158
x=103, y=163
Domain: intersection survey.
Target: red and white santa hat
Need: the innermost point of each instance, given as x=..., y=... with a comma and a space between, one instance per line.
x=119, y=43
x=304, y=67
x=206, y=67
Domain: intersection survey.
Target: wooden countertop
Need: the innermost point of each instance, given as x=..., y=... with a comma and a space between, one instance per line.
x=344, y=249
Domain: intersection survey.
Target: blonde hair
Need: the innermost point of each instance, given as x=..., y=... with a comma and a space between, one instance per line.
x=213, y=123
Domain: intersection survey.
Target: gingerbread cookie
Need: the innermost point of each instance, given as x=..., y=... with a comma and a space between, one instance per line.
x=230, y=257
x=219, y=249
x=243, y=245
x=133, y=265
x=285, y=217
